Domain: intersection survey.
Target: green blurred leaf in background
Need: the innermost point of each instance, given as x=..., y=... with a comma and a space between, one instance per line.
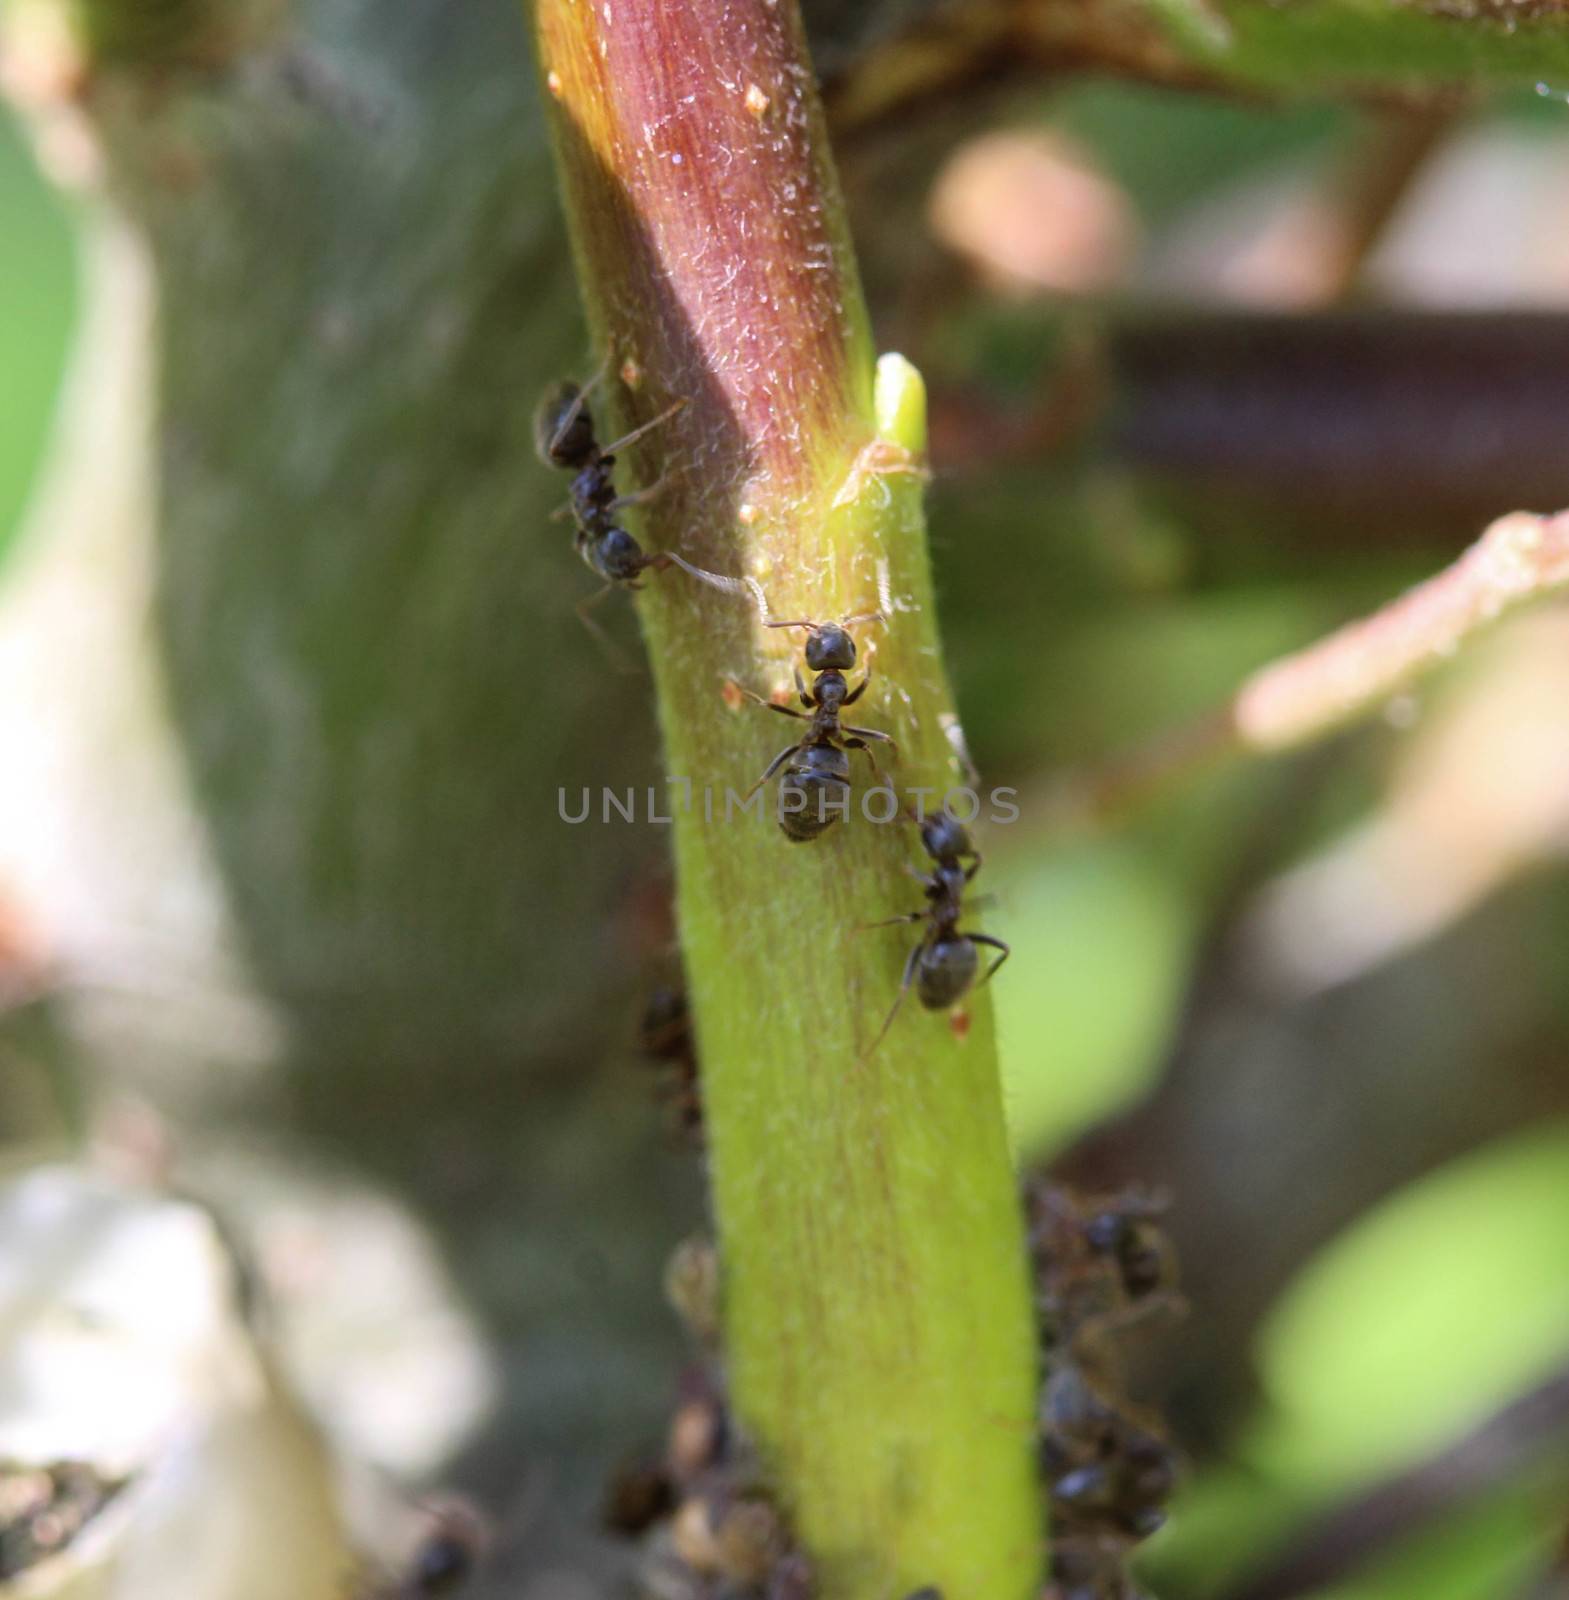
x=37, y=303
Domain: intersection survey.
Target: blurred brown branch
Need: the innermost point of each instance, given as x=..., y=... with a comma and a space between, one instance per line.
x=1521, y=557
x=1359, y=429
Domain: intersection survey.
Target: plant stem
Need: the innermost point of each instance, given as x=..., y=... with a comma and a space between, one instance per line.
x=877, y=1315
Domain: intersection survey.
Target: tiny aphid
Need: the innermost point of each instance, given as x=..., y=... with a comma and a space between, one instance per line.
x=1104, y=1263
x=1107, y=1468
x=666, y=1040
x=944, y=963
x=1087, y=1568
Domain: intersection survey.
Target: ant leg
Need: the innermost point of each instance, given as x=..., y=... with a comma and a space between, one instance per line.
x=805, y=693
x=904, y=989
x=773, y=766
x=872, y=733
x=562, y=512
x=768, y=705
x=892, y=922
x=860, y=688
x=857, y=744
x=637, y=433
x=1165, y=1302
x=974, y=866
x=641, y=497
x=996, y=944
x=617, y=657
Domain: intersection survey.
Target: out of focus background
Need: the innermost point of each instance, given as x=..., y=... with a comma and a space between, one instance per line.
x=287, y=682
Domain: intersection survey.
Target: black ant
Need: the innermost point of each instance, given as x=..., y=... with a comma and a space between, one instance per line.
x=1102, y=1264
x=819, y=763
x=944, y=962
x=1109, y=1470
x=564, y=436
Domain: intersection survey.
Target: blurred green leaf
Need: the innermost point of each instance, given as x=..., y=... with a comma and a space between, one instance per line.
x=37, y=302
x=1167, y=149
x=1425, y=1316
x=1100, y=945
x=1480, y=1553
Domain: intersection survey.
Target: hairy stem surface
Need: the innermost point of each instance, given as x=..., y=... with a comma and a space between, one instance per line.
x=877, y=1316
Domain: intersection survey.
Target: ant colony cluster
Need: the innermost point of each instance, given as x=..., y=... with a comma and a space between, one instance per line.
x=814, y=772
x=1102, y=1267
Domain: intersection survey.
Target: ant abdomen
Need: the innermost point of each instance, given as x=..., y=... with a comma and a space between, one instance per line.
x=819, y=775
x=615, y=555
x=563, y=427
x=947, y=972
x=801, y=826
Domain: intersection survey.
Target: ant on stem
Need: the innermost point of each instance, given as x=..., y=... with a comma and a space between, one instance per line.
x=565, y=437
x=944, y=961
x=817, y=766
x=819, y=762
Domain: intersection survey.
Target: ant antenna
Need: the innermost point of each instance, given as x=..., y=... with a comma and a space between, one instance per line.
x=647, y=427
x=714, y=580
x=804, y=622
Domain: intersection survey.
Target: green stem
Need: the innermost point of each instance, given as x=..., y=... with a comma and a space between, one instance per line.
x=877, y=1316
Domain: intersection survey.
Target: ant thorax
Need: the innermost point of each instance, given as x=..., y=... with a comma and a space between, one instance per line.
x=947, y=884
x=564, y=428
x=830, y=689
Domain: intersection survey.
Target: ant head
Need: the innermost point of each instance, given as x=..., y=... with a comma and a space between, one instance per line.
x=829, y=647
x=563, y=428
x=945, y=836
